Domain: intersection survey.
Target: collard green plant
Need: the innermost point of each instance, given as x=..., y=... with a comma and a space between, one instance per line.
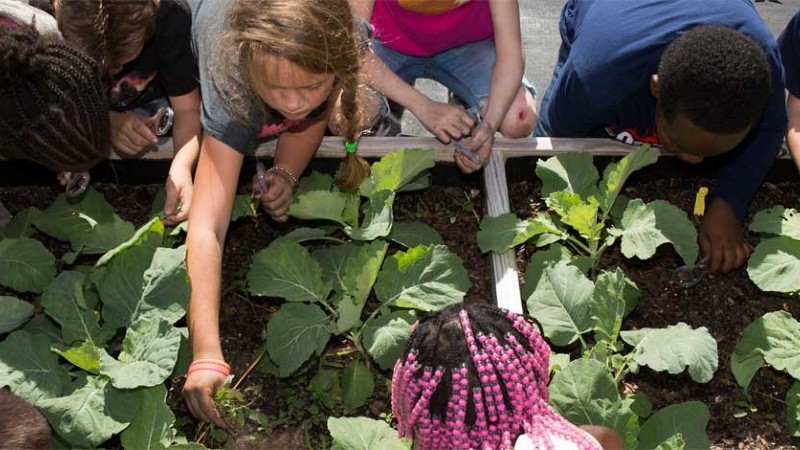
x=96, y=358
x=581, y=207
x=327, y=275
x=774, y=266
x=575, y=301
x=772, y=339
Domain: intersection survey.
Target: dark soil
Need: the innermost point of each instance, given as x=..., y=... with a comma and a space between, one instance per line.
x=724, y=304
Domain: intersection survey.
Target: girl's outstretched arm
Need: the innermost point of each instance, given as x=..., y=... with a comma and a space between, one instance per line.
x=216, y=180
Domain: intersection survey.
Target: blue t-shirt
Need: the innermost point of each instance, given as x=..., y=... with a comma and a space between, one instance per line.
x=611, y=48
x=789, y=43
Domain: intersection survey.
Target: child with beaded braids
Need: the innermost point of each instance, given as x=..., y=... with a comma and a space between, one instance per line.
x=52, y=104
x=271, y=68
x=475, y=376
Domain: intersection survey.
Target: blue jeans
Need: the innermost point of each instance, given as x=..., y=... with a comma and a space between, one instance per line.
x=465, y=70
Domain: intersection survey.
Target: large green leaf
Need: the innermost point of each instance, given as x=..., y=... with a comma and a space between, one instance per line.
x=384, y=337
x=396, y=169
x=30, y=369
x=92, y=414
x=425, y=277
x=616, y=174
x=294, y=333
x=362, y=433
x=562, y=302
x=411, y=234
x=378, y=217
x=43, y=326
x=793, y=409
x=775, y=265
x=498, y=234
x=149, y=234
x=26, y=265
x=286, y=270
x=151, y=427
x=85, y=355
x=64, y=302
x=303, y=234
x=74, y=220
x=689, y=419
x=646, y=226
x=675, y=348
x=145, y=280
x=21, y=224
x=572, y=172
x=13, y=313
x=148, y=355
x=540, y=260
x=325, y=205
x=778, y=221
x=357, y=384
x=773, y=338
x=585, y=394
x=89, y=224
x=608, y=307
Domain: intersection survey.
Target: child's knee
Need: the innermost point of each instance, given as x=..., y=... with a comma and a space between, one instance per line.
x=519, y=122
x=21, y=425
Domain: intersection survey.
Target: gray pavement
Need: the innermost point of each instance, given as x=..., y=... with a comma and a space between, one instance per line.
x=540, y=40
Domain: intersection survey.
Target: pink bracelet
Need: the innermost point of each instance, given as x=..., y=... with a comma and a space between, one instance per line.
x=210, y=368
x=215, y=362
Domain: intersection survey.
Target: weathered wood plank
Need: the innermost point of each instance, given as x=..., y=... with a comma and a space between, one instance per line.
x=504, y=266
x=333, y=147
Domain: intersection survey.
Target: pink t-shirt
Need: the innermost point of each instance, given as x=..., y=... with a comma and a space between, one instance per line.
x=407, y=26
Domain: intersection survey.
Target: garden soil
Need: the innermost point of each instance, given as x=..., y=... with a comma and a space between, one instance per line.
x=725, y=304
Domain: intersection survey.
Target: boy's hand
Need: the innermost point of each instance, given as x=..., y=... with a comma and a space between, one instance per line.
x=445, y=121
x=721, y=238
x=278, y=197
x=130, y=133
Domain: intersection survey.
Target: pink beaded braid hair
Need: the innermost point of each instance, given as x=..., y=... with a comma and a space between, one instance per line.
x=475, y=376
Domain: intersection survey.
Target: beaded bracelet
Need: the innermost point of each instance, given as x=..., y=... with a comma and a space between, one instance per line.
x=283, y=171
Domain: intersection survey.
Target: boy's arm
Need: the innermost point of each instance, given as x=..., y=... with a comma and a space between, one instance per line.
x=793, y=133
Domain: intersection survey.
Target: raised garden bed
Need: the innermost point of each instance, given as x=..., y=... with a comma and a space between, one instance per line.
x=453, y=206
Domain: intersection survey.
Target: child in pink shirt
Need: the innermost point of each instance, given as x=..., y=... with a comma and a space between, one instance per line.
x=473, y=47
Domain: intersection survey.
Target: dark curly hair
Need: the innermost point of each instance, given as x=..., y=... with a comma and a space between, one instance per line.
x=53, y=108
x=716, y=76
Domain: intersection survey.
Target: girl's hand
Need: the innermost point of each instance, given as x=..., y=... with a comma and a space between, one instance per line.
x=278, y=197
x=130, y=133
x=481, y=144
x=445, y=121
x=179, y=189
x=199, y=391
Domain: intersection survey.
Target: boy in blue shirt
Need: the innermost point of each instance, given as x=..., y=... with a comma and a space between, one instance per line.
x=789, y=44
x=700, y=79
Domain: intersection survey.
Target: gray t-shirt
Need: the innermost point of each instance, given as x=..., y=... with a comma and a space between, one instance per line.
x=219, y=121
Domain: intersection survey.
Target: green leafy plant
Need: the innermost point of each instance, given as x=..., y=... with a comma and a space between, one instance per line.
x=581, y=207
x=575, y=301
x=772, y=339
x=356, y=433
x=774, y=266
x=94, y=358
x=328, y=275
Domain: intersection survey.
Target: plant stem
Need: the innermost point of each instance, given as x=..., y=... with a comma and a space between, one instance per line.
x=579, y=244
